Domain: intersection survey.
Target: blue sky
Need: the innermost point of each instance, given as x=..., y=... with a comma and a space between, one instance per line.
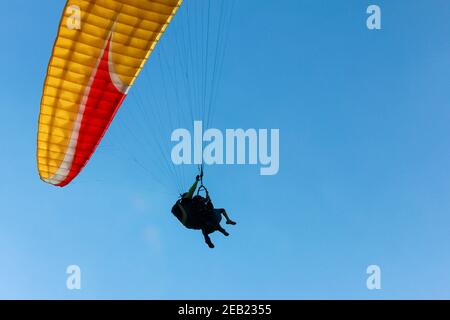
x=363, y=178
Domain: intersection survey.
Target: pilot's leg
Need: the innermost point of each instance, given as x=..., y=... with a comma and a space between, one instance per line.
x=207, y=239
x=223, y=231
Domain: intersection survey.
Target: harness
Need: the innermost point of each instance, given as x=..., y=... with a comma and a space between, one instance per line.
x=184, y=216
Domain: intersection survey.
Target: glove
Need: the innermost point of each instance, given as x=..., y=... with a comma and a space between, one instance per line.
x=197, y=178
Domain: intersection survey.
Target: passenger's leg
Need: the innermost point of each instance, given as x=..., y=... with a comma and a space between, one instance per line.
x=229, y=221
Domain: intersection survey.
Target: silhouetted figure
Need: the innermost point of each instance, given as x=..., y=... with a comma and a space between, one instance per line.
x=198, y=213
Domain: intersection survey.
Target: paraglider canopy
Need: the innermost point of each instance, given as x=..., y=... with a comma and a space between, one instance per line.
x=89, y=75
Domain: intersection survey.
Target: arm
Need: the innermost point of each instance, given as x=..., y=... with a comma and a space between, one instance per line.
x=191, y=191
x=208, y=201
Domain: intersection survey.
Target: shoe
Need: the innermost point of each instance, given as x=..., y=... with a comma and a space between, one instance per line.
x=231, y=222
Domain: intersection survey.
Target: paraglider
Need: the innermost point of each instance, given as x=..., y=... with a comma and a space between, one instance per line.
x=100, y=50
x=198, y=213
x=91, y=70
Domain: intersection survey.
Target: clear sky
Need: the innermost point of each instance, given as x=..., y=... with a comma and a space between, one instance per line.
x=364, y=176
